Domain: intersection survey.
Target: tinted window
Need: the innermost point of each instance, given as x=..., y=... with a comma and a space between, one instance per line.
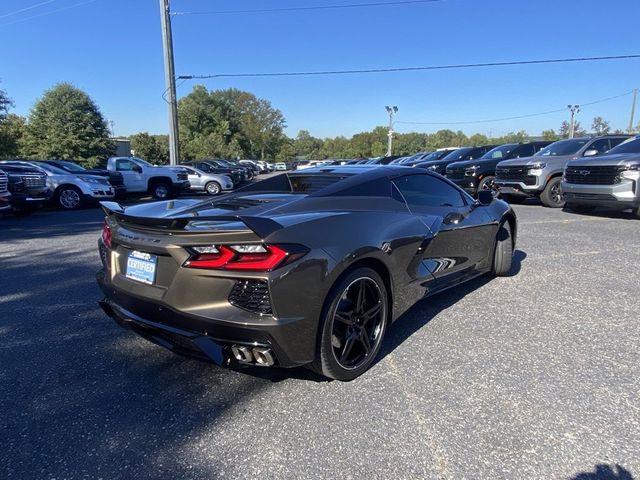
x=70, y=166
x=563, y=147
x=601, y=145
x=458, y=155
x=123, y=166
x=503, y=151
x=312, y=183
x=630, y=146
x=525, y=150
x=428, y=191
x=617, y=141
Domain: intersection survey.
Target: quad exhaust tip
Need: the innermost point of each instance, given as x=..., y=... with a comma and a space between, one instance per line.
x=258, y=355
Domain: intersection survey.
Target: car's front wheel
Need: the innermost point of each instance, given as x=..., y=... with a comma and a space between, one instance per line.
x=69, y=197
x=487, y=184
x=353, y=325
x=552, y=195
x=213, y=188
x=161, y=190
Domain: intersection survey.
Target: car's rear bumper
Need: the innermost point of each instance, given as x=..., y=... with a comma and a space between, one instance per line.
x=290, y=340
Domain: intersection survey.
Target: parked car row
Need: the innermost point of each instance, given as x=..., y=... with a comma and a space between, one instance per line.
x=28, y=185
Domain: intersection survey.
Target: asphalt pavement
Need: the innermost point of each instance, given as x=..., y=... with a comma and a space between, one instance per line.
x=536, y=375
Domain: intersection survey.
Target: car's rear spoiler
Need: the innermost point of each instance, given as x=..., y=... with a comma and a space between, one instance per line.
x=263, y=227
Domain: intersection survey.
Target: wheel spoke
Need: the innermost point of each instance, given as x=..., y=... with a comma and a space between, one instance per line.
x=364, y=339
x=372, y=312
x=348, y=345
x=361, y=297
x=344, y=317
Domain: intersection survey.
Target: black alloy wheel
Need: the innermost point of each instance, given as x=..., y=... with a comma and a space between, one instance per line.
x=552, y=195
x=354, y=325
x=487, y=184
x=161, y=190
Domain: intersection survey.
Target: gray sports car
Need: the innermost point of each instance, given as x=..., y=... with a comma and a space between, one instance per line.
x=305, y=268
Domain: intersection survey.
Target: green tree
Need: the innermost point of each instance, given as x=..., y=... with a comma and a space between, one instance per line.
x=600, y=126
x=307, y=146
x=550, y=135
x=12, y=130
x=578, y=131
x=153, y=148
x=478, y=140
x=66, y=123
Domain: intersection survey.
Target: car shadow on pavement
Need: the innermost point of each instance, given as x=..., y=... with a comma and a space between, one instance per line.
x=605, y=472
x=605, y=213
x=424, y=311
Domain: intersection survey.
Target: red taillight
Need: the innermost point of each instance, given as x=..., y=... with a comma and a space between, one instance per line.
x=229, y=259
x=106, y=235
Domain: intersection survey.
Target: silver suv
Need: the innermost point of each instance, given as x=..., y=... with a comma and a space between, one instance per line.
x=541, y=175
x=212, y=183
x=612, y=180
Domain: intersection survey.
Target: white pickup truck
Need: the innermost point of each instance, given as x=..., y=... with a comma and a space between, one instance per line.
x=140, y=176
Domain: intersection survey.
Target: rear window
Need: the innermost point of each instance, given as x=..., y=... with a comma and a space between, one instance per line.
x=313, y=183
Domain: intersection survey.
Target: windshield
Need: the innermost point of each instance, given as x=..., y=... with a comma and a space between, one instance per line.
x=628, y=146
x=71, y=166
x=563, y=147
x=144, y=162
x=51, y=169
x=458, y=154
x=502, y=151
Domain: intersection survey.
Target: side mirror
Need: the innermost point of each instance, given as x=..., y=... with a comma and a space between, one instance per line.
x=590, y=153
x=137, y=168
x=485, y=197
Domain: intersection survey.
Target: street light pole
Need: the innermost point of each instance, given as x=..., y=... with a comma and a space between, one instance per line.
x=574, y=109
x=391, y=111
x=170, y=80
x=633, y=110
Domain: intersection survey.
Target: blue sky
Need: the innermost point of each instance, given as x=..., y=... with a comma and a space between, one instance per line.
x=112, y=49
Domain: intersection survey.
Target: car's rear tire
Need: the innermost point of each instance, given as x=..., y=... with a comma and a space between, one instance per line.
x=552, y=196
x=69, y=197
x=513, y=199
x=160, y=190
x=574, y=207
x=213, y=188
x=503, y=255
x=353, y=324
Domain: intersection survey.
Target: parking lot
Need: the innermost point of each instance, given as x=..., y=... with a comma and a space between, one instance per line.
x=530, y=376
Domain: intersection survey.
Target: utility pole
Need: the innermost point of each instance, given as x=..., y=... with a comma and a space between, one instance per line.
x=572, y=126
x=170, y=80
x=391, y=111
x=633, y=110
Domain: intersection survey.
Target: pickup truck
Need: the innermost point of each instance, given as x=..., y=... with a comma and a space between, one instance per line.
x=142, y=177
x=28, y=188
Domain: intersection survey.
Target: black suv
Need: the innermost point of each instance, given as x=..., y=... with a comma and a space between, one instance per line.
x=459, y=155
x=115, y=178
x=28, y=188
x=474, y=175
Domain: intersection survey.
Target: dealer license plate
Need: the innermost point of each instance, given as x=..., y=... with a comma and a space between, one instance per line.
x=141, y=267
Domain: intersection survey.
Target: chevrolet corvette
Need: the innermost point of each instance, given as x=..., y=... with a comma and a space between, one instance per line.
x=307, y=268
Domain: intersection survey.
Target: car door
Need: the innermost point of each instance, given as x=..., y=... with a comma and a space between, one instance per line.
x=133, y=180
x=462, y=231
x=195, y=177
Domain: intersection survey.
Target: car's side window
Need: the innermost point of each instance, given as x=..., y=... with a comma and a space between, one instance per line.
x=123, y=166
x=525, y=150
x=601, y=145
x=616, y=141
x=428, y=191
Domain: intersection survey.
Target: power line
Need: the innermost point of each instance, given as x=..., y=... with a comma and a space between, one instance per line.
x=409, y=69
x=313, y=7
x=51, y=12
x=518, y=116
x=26, y=9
